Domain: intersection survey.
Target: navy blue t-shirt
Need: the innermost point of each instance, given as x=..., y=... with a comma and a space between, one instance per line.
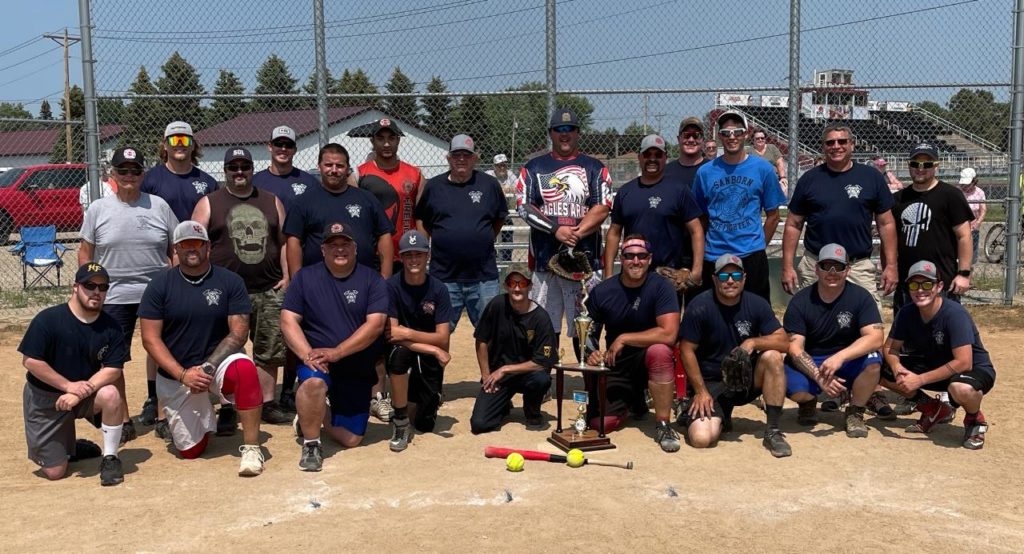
x=676, y=172
x=839, y=207
x=419, y=307
x=660, y=213
x=716, y=328
x=829, y=328
x=934, y=341
x=623, y=309
x=74, y=349
x=181, y=192
x=286, y=187
x=319, y=207
x=460, y=219
x=332, y=309
x=195, y=317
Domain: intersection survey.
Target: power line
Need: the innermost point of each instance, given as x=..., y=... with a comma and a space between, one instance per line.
x=26, y=60
x=20, y=46
x=27, y=75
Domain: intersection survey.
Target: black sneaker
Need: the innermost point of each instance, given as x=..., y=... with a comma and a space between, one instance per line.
x=287, y=402
x=312, y=458
x=111, y=472
x=227, y=421
x=148, y=415
x=807, y=413
x=162, y=429
x=776, y=443
x=128, y=432
x=85, y=449
x=274, y=415
x=878, y=406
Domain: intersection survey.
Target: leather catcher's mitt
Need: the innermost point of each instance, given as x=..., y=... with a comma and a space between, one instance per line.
x=737, y=371
x=572, y=265
x=680, y=278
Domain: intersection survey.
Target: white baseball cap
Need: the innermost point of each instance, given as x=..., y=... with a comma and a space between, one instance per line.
x=967, y=175
x=500, y=159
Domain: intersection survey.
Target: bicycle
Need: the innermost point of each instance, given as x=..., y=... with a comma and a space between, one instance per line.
x=995, y=243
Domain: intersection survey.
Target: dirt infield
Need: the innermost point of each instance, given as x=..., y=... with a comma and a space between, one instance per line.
x=891, y=491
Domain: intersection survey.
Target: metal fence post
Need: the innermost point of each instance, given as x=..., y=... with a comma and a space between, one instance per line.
x=793, y=168
x=92, y=130
x=550, y=58
x=321, y=70
x=1016, y=136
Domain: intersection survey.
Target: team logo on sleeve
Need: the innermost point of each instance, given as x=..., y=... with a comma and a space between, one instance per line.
x=428, y=307
x=212, y=296
x=743, y=328
x=200, y=186
x=298, y=188
x=852, y=190
x=353, y=210
x=654, y=201
x=844, y=319
x=351, y=296
x=568, y=184
x=547, y=351
x=939, y=337
x=475, y=196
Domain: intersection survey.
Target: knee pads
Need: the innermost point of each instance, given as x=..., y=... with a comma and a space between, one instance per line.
x=242, y=380
x=660, y=362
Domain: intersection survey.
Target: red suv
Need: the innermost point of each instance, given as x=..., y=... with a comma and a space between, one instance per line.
x=41, y=195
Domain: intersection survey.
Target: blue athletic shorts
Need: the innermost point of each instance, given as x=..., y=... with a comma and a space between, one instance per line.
x=350, y=399
x=796, y=381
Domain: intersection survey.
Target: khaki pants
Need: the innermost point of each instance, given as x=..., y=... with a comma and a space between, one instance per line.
x=862, y=273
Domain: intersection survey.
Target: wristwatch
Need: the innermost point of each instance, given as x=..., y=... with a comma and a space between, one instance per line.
x=964, y=273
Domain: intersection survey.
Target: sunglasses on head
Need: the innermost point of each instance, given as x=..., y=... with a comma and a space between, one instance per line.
x=563, y=129
x=920, y=285
x=840, y=142
x=238, y=167
x=635, y=255
x=90, y=286
x=732, y=133
x=724, y=276
x=832, y=267
x=922, y=165
x=179, y=140
x=128, y=171
x=285, y=144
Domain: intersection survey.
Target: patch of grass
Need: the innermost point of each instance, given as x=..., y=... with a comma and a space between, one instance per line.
x=41, y=298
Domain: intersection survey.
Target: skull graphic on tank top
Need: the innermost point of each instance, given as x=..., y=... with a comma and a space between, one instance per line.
x=916, y=218
x=248, y=229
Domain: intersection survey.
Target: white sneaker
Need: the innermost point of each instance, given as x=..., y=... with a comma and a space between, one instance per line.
x=380, y=407
x=252, y=460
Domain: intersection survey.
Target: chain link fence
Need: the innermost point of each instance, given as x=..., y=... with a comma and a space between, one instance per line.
x=896, y=73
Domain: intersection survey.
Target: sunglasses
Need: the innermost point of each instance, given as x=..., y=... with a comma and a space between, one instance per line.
x=840, y=142
x=191, y=244
x=179, y=140
x=284, y=144
x=136, y=171
x=920, y=285
x=652, y=153
x=732, y=133
x=90, y=286
x=238, y=167
x=517, y=283
x=726, y=275
x=834, y=267
x=922, y=165
x=563, y=129
x=692, y=135
x=635, y=255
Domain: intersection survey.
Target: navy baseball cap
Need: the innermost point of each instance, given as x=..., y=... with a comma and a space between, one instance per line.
x=925, y=148
x=564, y=116
x=88, y=270
x=413, y=241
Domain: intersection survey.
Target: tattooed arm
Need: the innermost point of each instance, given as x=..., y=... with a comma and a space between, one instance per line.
x=238, y=333
x=801, y=360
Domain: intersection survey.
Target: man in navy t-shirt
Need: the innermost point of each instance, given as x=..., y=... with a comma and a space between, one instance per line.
x=282, y=178
x=333, y=317
x=178, y=180
x=691, y=156
x=195, y=323
x=835, y=333
x=934, y=345
x=714, y=324
x=463, y=211
x=838, y=200
x=640, y=314
x=419, y=330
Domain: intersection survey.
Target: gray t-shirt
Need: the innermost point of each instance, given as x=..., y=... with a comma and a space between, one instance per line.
x=131, y=241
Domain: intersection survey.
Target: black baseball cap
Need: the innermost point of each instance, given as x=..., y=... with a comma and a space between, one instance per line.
x=128, y=155
x=237, y=153
x=88, y=270
x=337, y=229
x=382, y=124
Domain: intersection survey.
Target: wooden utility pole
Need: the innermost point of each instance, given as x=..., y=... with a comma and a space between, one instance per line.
x=66, y=40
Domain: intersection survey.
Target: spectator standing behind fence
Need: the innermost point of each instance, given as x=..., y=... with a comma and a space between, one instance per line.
x=760, y=147
x=710, y=150
x=107, y=187
x=507, y=179
x=178, y=180
x=891, y=180
x=976, y=200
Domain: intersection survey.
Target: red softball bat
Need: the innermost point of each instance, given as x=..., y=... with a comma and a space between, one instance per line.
x=503, y=452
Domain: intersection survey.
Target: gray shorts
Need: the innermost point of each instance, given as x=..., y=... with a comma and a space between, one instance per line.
x=49, y=432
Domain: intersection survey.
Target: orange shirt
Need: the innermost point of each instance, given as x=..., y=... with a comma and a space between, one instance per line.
x=396, y=189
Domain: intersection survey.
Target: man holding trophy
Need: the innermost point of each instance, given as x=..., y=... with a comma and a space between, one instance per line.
x=640, y=314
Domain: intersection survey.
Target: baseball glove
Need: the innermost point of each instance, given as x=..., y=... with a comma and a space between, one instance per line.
x=680, y=278
x=737, y=371
x=571, y=265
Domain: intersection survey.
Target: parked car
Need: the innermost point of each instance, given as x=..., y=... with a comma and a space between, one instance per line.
x=41, y=195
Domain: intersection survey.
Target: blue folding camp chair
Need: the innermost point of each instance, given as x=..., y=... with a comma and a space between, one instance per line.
x=39, y=250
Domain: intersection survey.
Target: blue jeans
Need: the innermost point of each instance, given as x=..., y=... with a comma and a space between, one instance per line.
x=474, y=297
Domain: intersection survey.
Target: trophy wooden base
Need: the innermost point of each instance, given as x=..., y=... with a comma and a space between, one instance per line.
x=587, y=442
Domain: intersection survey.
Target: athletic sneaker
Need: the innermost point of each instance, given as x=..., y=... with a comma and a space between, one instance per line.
x=227, y=421
x=128, y=432
x=111, y=472
x=148, y=415
x=312, y=458
x=834, y=404
x=878, y=406
x=274, y=414
x=807, y=413
x=974, y=434
x=904, y=406
x=933, y=412
x=401, y=435
x=295, y=426
x=380, y=407
x=776, y=443
x=252, y=460
x=666, y=437
x=162, y=429
x=855, y=427
x=287, y=401
x=85, y=449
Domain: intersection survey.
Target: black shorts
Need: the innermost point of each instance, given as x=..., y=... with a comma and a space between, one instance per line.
x=626, y=384
x=126, y=315
x=981, y=378
x=426, y=378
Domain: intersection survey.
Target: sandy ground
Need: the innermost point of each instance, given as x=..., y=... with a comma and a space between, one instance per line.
x=891, y=491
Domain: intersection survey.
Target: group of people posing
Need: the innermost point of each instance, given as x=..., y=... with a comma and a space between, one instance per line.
x=353, y=283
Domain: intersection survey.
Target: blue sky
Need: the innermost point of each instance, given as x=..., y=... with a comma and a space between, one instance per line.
x=477, y=45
